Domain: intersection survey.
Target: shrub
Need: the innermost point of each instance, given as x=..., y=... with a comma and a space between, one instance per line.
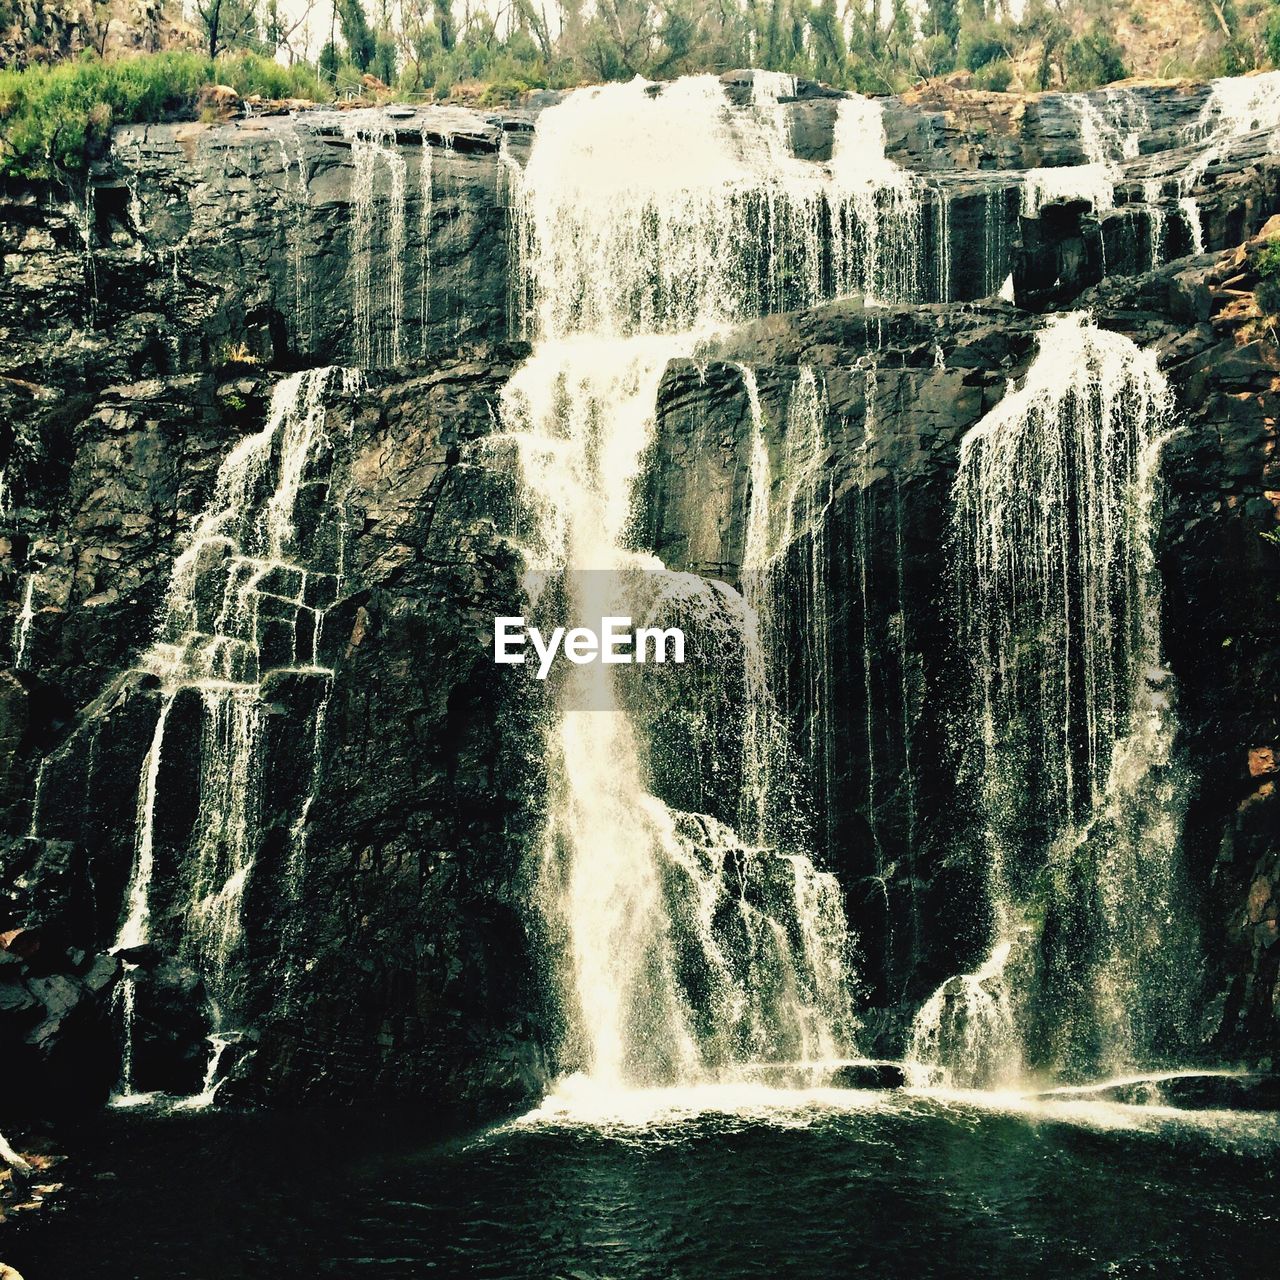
x=1273, y=36
x=1267, y=292
x=981, y=43
x=55, y=120
x=995, y=76
x=1093, y=59
x=936, y=56
x=249, y=74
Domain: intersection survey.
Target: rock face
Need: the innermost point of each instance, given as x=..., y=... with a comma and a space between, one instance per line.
x=388, y=945
x=50, y=30
x=889, y=799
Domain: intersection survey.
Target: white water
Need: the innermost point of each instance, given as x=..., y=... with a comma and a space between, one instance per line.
x=1059, y=607
x=1111, y=126
x=966, y=1031
x=1094, y=182
x=297, y=207
x=219, y=1043
x=135, y=928
x=1106, y=139
x=378, y=237
x=22, y=626
x=426, y=214
x=687, y=950
x=241, y=585
x=1190, y=211
x=670, y=212
x=877, y=212
x=628, y=1114
x=1236, y=106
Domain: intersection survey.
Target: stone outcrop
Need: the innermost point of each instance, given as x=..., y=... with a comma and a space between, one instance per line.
x=50, y=30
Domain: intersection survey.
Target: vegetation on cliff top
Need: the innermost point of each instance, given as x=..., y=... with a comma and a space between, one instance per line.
x=55, y=119
x=444, y=47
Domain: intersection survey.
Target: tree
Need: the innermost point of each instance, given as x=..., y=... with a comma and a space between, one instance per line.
x=829, y=49
x=943, y=19
x=330, y=63
x=361, y=43
x=445, y=24
x=1095, y=58
x=226, y=24
x=279, y=28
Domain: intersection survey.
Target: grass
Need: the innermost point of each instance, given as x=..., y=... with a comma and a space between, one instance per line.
x=1267, y=265
x=55, y=120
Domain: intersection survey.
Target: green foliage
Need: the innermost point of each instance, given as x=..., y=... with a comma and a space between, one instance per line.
x=942, y=17
x=1267, y=293
x=362, y=45
x=1093, y=59
x=328, y=63
x=1272, y=36
x=52, y=119
x=251, y=74
x=937, y=56
x=995, y=76
x=981, y=42
x=55, y=120
x=384, y=59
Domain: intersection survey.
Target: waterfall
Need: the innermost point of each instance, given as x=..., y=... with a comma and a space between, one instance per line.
x=784, y=581
x=1103, y=143
x=1058, y=608
x=1236, y=106
x=426, y=214
x=877, y=211
x=378, y=237
x=135, y=928
x=246, y=602
x=662, y=210
x=1190, y=211
x=647, y=217
x=298, y=198
x=22, y=626
x=1094, y=182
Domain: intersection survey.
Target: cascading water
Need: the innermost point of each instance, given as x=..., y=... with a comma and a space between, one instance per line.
x=22, y=625
x=378, y=238
x=1104, y=142
x=426, y=215
x=246, y=603
x=689, y=951
x=1054, y=516
x=1110, y=126
x=298, y=198
x=877, y=211
x=1236, y=106
x=663, y=211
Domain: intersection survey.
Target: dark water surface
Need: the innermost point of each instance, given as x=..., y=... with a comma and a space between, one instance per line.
x=754, y=1185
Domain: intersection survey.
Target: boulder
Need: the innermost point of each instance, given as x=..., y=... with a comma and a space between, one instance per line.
x=869, y=1075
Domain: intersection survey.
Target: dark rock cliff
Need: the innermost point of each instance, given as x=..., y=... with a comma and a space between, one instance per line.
x=392, y=947
x=891, y=820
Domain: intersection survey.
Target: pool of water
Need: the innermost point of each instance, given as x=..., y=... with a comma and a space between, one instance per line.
x=694, y=1184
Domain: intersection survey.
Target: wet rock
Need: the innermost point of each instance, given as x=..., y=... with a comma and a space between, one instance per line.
x=1060, y=255
x=170, y=1048
x=869, y=1075
x=1209, y=1091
